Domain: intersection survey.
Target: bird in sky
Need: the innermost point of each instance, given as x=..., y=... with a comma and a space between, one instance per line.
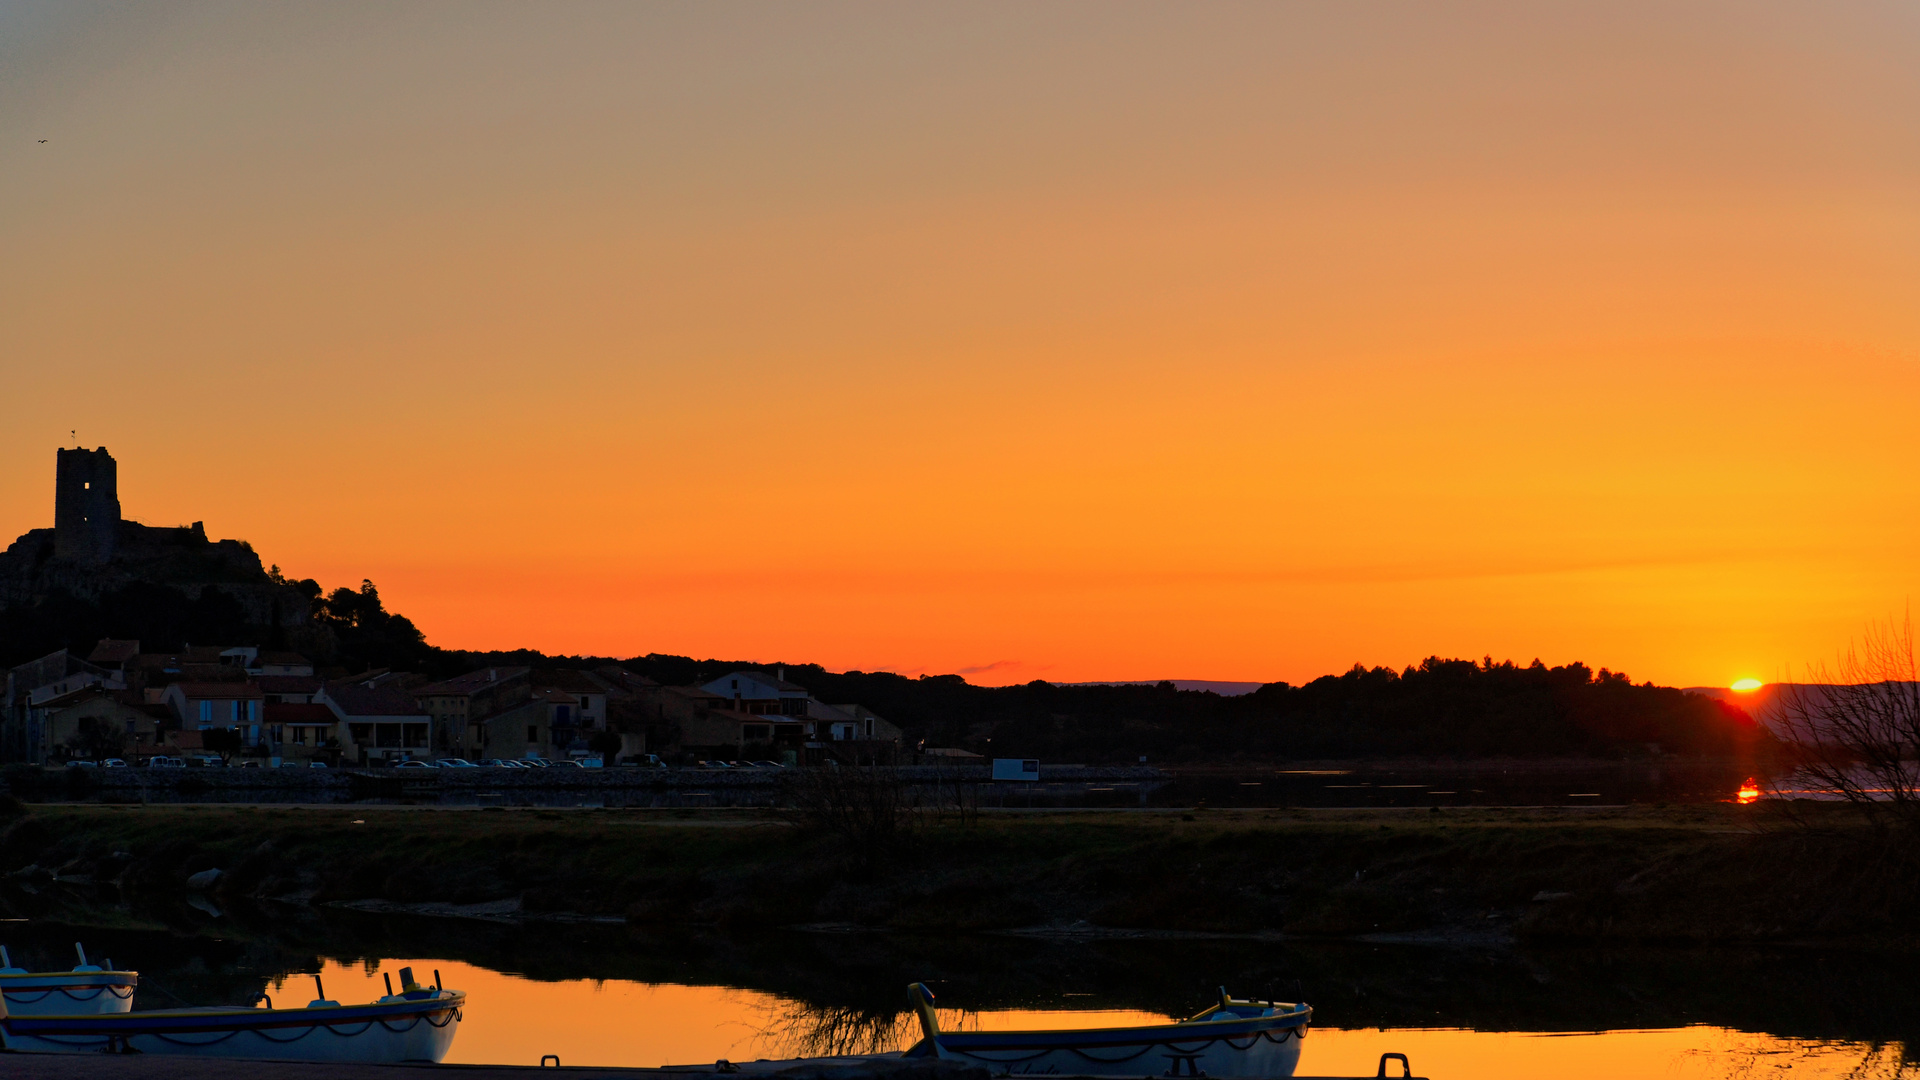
x=43, y=140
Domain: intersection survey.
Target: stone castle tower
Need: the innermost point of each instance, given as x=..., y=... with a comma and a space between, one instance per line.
x=86, y=505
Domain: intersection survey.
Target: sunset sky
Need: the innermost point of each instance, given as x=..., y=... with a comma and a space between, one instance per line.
x=1064, y=341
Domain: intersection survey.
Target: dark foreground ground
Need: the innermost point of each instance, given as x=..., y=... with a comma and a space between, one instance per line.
x=1710, y=874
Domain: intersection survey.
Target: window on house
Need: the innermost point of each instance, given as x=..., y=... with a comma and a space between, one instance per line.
x=533, y=733
x=361, y=733
x=206, y=712
x=416, y=735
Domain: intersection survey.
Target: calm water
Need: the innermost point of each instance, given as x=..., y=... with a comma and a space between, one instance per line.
x=609, y=995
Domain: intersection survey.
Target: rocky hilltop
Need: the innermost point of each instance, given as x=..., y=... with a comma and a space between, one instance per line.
x=92, y=553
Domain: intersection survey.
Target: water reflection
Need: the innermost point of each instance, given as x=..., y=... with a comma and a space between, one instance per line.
x=512, y=1019
x=616, y=996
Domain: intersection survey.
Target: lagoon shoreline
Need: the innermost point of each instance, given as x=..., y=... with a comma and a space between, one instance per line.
x=1694, y=874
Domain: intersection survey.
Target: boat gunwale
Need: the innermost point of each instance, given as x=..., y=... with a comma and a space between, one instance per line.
x=110, y=978
x=1177, y=1031
x=158, y=1021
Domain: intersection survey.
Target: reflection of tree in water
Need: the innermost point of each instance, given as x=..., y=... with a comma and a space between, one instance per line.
x=1840, y=1060
x=797, y=1029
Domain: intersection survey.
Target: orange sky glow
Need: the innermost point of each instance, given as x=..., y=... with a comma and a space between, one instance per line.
x=1074, y=341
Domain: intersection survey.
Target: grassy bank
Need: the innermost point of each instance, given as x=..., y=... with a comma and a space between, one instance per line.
x=1685, y=874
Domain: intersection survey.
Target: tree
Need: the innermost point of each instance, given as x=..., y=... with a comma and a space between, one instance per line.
x=607, y=744
x=1853, y=730
x=97, y=739
x=223, y=741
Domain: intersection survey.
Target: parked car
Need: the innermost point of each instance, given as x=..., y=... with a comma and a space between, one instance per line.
x=113, y=763
x=81, y=763
x=455, y=763
x=565, y=763
x=768, y=765
x=412, y=763
x=534, y=763
x=644, y=761
x=316, y=764
x=251, y=763
x=715, y=765
x=161, y=761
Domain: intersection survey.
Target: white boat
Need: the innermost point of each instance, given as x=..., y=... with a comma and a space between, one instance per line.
x=86, y=990
x=1232, y=1039
x=417, y=1024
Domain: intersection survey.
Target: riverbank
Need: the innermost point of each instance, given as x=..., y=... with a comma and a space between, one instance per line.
x=1719, y=874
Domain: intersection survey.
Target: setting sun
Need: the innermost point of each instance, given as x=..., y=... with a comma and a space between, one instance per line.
x=1747, y=686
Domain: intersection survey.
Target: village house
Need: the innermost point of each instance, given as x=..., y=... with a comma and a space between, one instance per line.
x=461, y=706
x=852, y=723
x=302, y=732
x=114, y=654
x=28, y=687
x=202, y=705
x=91, y=723
x=156, y=670
x=286, y=664
x=380, y=718
x=760, y=694
x=544, y=725
x=288, y=689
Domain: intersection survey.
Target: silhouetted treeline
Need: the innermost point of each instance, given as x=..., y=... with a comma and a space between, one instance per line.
x=1439, y=707
x=348, y=630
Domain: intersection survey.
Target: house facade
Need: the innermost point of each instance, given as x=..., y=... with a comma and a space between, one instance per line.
x=378, y=719
x=760, y=694
x=199, y=706
x=93, y=724
x=461, y=706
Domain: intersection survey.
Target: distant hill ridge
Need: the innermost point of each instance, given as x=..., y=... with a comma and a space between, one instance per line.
x=1210, y=686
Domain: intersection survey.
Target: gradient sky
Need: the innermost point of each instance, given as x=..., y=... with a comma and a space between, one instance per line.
x=1069, y=341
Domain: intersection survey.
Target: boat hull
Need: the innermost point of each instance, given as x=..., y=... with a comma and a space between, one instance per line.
x=385, y=1032
x=1263, y=1047
x=68, y=993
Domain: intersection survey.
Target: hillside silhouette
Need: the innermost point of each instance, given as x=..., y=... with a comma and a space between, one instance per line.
x=1439, y=707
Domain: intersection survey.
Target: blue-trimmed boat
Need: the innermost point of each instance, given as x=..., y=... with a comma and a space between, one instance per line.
x=417, y=1024
x=87, y=989
x=1232, y=1039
